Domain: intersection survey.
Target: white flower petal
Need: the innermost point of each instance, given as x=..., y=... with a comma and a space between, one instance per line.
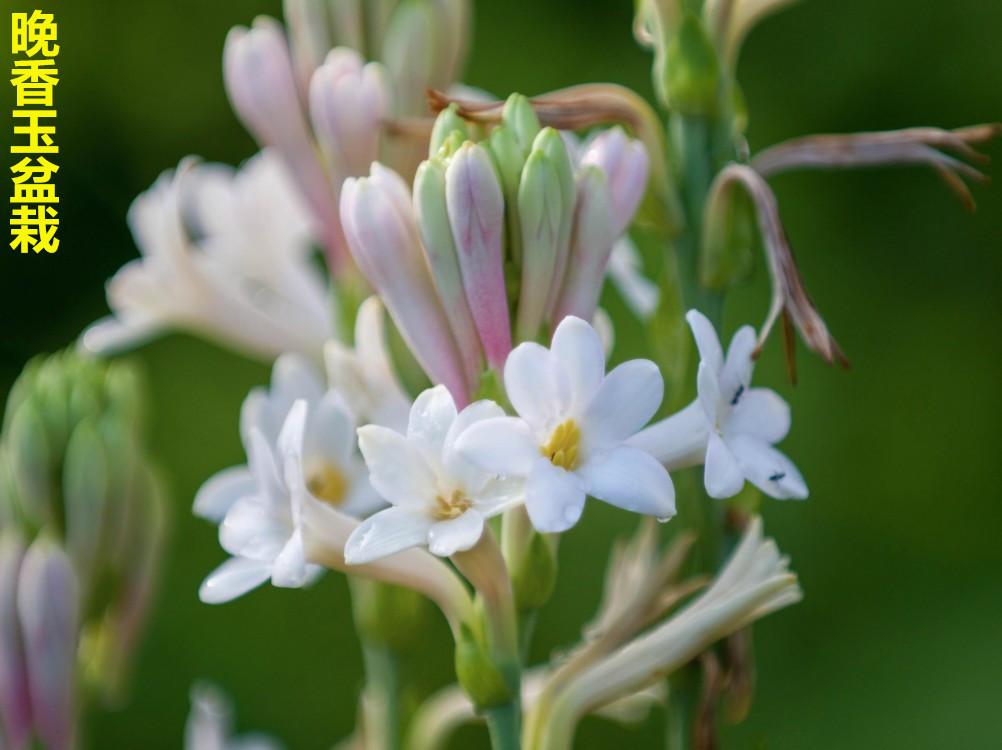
x=625, y=401
x=499, y=495
x=553, y=497
x=294, y=377
x=738, y=367
x=632, y=480
x=289, y=570
x=503, y=445
x=330, y=431
x=536, y=385
x=760, y=413
x=768, y=469
x=707, y=341
x=261, y=462
x=253, y=528
x=578, y=349
x=397, y=470
x=722, y=475
x=458, y=534
x=431, y=416
x=708, y=388
x=217, y=495
x=385, y=533
x=233, y=579
x=292, y=436
x=468, y=474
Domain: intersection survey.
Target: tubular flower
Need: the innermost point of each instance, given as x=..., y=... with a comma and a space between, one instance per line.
x=439, y=498
x=225, y=255
x=731, y=427
x=570, y=437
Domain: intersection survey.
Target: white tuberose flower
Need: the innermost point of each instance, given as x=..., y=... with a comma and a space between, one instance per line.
x=210, y=724
x=225, y=254
x=731, y=427
x=569, y=441
x=438, y=497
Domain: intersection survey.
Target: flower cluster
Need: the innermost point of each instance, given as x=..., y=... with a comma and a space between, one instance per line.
x=428, y=291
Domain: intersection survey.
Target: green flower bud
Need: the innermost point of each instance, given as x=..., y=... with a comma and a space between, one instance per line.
x=519, y=118
x=535, y=575
x=447, y=123
x=730, y=238
x=31, y=464
x=692, y=75
x=478, y=675
x=85, y=501
x=389, y=615
x=508, y=158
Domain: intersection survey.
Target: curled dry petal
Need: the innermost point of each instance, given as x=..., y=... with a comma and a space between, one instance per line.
x=910, y=146
x=789, y=295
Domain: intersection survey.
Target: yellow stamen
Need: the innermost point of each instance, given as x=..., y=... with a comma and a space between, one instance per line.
x=562, y=447
x=452, y=506
x=327, y=483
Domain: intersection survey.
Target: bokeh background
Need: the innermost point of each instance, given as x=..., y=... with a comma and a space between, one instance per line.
x=897, y=643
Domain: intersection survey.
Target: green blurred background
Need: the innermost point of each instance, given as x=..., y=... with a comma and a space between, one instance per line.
x=897, y=642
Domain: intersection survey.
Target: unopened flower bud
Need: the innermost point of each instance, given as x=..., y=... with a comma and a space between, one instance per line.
x=48, y=607
x=409, y=54
x=509, y=160
x=30, y=462
x=15, y=706
x=624, y=161
x=348, y=104
x=478, y=675
x=383, y=238
x=257, y=69
x=440, y=248
x=534, y=576
x=476, y=214
x=591, y=246
x=520, y=119
x=447, y=123
x=540, y=206
x=85, y=500
x=555, y=150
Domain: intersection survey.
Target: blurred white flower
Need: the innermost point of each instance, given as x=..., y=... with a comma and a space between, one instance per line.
x=570, y=438
x=210, y=724
x=626, y=273
x=731, y=427
x=438, y=497
x=226, y=255
x=365, y=374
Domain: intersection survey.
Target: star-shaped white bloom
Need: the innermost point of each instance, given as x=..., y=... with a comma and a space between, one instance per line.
x=438, y=497
x=569, y=438
x=302, y=478
x=731, y=427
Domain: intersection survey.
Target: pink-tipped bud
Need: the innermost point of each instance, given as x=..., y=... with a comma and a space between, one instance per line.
x=261, y=84
x=347, y=105
x=624, y=161
x=592, y=238
x=48, y=603
x=15, y=707
x=383, y=237
x=476, y=214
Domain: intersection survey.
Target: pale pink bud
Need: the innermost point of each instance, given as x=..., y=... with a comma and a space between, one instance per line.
x=592, y=238
x=257, y=69
x=15, y=707
x=383, y=237
x=48, y=605
x=347, y=105
x=476, y=214
x=624, y=161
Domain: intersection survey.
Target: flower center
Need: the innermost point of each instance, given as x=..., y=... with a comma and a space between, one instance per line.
x=451, y=506
x=326, y=482
x=562, y=447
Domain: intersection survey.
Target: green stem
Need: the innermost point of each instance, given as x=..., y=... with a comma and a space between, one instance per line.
x=381, y=698
x=503, y=727
x=683, y=702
